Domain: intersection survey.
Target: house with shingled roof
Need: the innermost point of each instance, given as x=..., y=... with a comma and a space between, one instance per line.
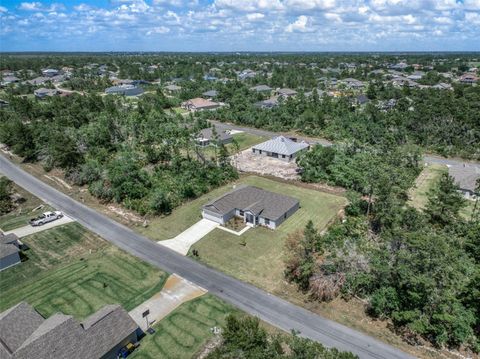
x=25, y=334
x=280, y=147
x=256, y=206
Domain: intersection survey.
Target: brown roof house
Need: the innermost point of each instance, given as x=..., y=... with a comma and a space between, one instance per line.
x=199, y=104
x=468, y=78
x=465, y=177
x=254, y=205
x=26, y=334
x=10, y=248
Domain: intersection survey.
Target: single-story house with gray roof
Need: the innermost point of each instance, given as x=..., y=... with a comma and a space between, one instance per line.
x=10, y=247
x=256, y=206
x=44, y=92
x=465, y=178
x=206, y=137
x=261, y=88
x=210, y=94
x=125, y=90
x=280, y=147
x=25, y=334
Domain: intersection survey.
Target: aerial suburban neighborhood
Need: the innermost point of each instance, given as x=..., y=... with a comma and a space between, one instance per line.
x=164, y=195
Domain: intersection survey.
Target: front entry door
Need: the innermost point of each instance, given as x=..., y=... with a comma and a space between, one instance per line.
x=249, y=218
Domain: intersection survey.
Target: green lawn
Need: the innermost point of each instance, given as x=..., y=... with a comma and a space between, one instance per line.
x=257, y=256
x=244, y=141
x=73, y=271
x=185, y=331
x=425, y=181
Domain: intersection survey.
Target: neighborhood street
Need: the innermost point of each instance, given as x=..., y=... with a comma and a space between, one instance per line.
x=221, y=126
x=248, y=298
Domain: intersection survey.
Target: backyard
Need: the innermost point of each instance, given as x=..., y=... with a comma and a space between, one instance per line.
x=71, y=270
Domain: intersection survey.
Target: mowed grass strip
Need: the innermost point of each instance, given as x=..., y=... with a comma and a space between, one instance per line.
x=258, y=255
x=71, y=270
x=184, y=332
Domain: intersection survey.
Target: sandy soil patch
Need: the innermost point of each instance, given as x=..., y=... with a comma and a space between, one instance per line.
x=246, y=161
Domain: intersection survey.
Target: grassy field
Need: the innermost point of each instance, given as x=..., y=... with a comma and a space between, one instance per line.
x=257, y=255
x=429, y=176
x=75, y=272
x=244, y=141
x=185, y=331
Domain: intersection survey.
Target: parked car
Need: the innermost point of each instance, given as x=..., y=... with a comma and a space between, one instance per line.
x=45, y=218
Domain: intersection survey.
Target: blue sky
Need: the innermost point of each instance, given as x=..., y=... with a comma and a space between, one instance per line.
x=240, y=25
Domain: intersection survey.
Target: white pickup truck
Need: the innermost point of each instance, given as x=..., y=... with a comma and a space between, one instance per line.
x=45, y=218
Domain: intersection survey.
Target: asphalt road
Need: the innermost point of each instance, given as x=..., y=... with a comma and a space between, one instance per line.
x=255, y=131
x=248, y=298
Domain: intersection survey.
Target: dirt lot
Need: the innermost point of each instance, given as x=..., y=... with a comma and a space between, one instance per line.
x=246, y=161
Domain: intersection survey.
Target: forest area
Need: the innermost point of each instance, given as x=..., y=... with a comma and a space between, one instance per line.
x=135, y=155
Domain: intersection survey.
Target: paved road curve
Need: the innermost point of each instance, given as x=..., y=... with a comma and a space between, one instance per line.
x=259, y=132
x=252, y=300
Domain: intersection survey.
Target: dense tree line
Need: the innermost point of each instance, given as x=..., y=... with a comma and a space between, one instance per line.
x=6, y=203
x=245, y=338
x=445, y=122
x=130, y=153
x=419, y=269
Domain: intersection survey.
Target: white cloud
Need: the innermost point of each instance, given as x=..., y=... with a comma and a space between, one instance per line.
x=82, y=7
x=255, y=16
x=249, y=5
x=300, y=25
x=158, y=30
x=471, y=4
x=309, y=4
x=38, y=6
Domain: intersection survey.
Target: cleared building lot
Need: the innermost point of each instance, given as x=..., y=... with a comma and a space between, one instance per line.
x=247, y=161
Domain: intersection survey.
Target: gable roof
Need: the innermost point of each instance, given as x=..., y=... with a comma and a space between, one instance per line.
x=211, y=93
x=287, y=92
x=261, y=88
x=26, y=334
x=16, y=325
x=207, y=133
x=465, y=176
x=268, y=204
x=7, y=249
x=282, y=146
x=200, y=103
x=8, y=238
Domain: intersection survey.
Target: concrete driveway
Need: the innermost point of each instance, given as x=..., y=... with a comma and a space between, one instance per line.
x=27, y=230
x=176, y=291
x=182, y=243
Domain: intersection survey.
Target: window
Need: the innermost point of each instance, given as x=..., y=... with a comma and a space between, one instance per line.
x=267, y=221
x=260, y=151
x=285, y=215
x=241, y=212
x=283, y=156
